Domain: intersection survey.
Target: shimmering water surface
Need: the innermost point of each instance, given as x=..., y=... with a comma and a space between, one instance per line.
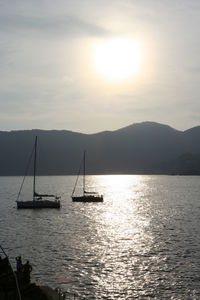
x=143, y=242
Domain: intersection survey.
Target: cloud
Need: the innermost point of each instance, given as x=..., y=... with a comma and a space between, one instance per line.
x=53, y=26
x=45, y=56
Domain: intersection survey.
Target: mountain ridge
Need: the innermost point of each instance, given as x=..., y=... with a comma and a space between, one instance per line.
x=99, y=132
x=140, y=148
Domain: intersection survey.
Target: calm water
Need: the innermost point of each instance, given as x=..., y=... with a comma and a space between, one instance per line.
x=143, y=242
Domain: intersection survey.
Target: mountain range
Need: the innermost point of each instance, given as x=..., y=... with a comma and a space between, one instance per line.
x=141, y=148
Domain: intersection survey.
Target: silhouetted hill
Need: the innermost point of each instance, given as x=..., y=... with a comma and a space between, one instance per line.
x=144, y=148
x=186, y=164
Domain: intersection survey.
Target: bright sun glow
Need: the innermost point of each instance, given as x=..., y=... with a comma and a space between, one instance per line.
x=118, y=59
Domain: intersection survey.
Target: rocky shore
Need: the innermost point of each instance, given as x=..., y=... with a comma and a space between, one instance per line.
x=17, y=285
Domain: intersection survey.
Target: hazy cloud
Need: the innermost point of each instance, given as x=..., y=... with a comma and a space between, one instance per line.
x=46, y=75
x=60, y=25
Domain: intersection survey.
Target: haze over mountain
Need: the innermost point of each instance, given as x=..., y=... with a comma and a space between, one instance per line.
x=144, y=148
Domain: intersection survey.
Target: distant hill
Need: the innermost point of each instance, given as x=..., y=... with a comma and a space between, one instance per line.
x=144, y=148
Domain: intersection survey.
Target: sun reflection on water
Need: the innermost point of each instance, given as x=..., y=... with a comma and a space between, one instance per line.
x=121, y=230
x=134, y=245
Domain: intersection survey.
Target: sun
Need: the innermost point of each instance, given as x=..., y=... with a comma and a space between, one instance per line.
x=117, y=59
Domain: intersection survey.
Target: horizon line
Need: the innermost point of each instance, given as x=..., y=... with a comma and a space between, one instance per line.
x=108, y=130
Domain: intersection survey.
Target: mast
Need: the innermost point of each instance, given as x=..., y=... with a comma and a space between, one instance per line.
x=84, y=172
x=34, y=171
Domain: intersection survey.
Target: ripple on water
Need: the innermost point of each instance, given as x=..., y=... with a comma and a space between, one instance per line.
x=143, y=242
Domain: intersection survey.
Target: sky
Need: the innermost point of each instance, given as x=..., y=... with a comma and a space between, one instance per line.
x=49, y=77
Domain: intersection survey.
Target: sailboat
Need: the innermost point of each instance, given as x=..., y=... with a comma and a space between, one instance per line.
x=39, y=200
x=86, y=196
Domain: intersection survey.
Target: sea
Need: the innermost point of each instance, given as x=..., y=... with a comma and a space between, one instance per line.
x=142, y=242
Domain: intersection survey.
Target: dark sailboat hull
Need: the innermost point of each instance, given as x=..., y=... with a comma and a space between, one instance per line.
x=87, y=198
x=38, y=204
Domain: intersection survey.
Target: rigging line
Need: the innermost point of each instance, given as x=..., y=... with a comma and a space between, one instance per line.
x=41, y=157
x=77, y=177
x=14, y=274
x=45, y=161
x=26, y=171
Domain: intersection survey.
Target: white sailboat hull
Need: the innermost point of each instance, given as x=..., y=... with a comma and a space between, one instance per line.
x=39, y=200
